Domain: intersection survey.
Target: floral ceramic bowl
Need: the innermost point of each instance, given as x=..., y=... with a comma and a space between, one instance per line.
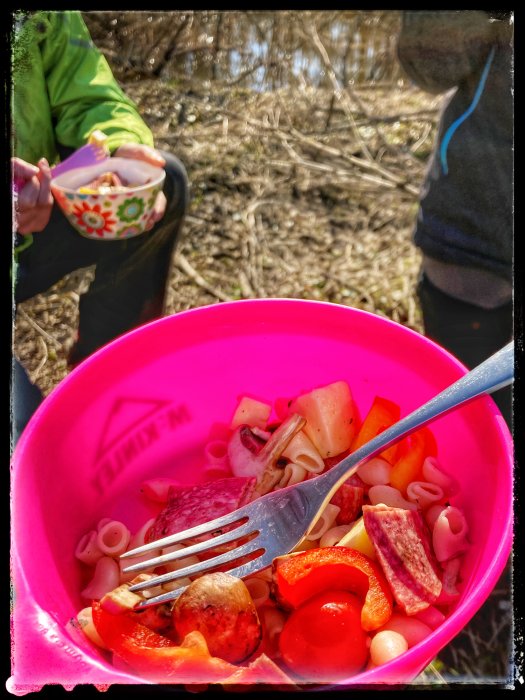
x=109, y=214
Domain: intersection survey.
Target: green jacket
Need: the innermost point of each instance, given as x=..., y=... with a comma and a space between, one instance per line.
x=63, y=89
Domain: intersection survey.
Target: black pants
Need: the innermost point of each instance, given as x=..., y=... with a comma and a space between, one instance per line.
x=469, y=332
x=128, y=289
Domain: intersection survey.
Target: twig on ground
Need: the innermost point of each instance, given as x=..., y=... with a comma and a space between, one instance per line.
x=36, y=373
x=38, y=329
x=185, y=266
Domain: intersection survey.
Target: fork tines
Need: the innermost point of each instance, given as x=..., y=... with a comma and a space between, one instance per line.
x=239, y=529
x=259, y=559
x=237, y=517
x=198, y=548
x=199, y=568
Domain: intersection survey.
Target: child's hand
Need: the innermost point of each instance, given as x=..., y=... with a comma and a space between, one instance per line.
x=35, y=201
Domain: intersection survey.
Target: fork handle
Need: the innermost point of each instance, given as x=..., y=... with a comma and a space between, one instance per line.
x=492, y=374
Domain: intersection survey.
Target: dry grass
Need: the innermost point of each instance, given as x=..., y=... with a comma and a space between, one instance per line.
x=281, y=207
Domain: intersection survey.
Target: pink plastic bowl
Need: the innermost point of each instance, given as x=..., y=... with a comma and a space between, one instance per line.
x=143, y=406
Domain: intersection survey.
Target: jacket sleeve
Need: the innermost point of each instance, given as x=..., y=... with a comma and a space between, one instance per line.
x=439, y=49
x=83, y=93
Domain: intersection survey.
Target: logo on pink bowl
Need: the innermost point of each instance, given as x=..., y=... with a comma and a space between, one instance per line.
x=132, y=425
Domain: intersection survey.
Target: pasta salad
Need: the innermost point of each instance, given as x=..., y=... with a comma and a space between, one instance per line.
x=376, y=575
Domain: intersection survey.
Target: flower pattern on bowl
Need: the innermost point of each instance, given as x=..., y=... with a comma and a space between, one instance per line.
x=93, y=219
x=131, y=209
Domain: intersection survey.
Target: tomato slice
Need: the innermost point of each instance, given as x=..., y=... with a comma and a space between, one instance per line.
x=382, y=414
x=301, y=576
x=156, y=657
x=323, y=639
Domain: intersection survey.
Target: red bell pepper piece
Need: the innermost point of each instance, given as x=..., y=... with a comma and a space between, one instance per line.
x=156, y=657
x=298, y=577
x=431, y=443
x=427, y=438
x=382, y=414
x=412, y=453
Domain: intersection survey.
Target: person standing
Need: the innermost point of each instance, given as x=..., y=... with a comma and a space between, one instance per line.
x=464, y=225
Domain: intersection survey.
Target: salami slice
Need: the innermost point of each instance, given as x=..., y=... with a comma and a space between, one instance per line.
x=402, y=543
x=349, y=500
x=194, y=505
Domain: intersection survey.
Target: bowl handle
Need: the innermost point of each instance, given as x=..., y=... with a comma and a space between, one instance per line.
x=43, y=653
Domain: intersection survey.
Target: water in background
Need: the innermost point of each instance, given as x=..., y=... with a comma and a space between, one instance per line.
x=257, y=50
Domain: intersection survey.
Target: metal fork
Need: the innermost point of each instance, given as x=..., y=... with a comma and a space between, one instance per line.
x=278, y=521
